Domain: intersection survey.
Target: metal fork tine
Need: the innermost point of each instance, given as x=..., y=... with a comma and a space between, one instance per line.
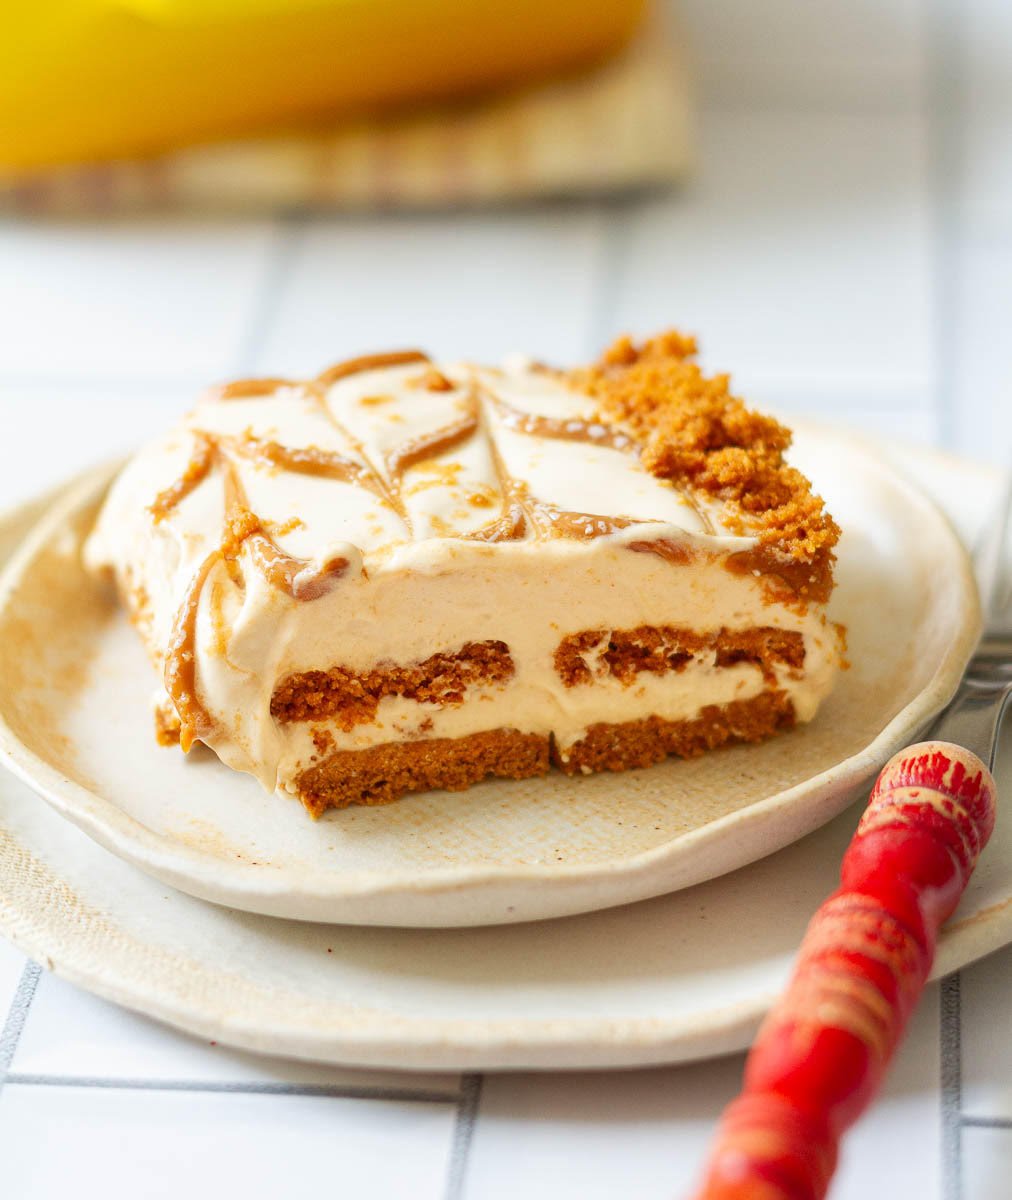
x=990, y=559
x=974, y=717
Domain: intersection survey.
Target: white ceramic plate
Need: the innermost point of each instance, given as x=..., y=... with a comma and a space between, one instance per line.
x=680, y=977
x=75, y=724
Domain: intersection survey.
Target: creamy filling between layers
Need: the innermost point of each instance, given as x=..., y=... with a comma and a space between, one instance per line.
x=526, y=707
x=437, y=597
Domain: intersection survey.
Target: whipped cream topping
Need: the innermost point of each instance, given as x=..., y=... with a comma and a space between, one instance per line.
x=392, y=509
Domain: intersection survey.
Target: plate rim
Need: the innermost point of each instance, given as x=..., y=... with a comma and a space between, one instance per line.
x=200, y=873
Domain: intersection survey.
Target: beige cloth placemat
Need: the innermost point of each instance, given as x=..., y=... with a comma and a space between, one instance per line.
x=623, y=125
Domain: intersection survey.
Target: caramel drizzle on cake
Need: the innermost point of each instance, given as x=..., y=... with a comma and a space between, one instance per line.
x=369, y=362
x=519, y=511
x=622, y=428
x=432, y=380
x=511, y=524
x=672, y=551
x=592, y=433
x=181, y=661
x=307, y=460
x=295, y=577
x=550, y=521
x=431, y=445
x=248, y=389
x=197, y=470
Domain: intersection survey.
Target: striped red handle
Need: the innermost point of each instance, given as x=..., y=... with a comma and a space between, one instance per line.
x=822, y=1052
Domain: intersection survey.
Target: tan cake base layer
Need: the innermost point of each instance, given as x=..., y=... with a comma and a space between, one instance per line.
x=643, y=743
x=382, y=774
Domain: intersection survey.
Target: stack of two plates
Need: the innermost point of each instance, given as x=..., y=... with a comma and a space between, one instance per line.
x=612, y=920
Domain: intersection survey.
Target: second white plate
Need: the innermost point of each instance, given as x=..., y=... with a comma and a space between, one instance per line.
x=75, y=724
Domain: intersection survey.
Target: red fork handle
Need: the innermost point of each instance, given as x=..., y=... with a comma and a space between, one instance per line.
x=822, y=1052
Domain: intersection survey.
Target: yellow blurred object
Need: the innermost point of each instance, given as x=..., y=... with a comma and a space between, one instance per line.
x=88, y=80
x=622, y=125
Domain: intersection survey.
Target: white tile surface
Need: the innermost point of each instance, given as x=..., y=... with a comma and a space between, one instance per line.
x=842, y=52
x=12, y=966
x=895, y=1152
x=987, y=1164
x=151, y=297
x=982, y=383
x=76, y=425
x=984, y=137
x=802, y=254
x=119, y=1145
x=71, y=1034
x=631, y=1134
x=645, y=1133
x=889, y=420
x=986, y=1003
x=460, y=285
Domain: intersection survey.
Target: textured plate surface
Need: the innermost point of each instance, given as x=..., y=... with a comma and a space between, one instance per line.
x=75, y=723
x=669, y=979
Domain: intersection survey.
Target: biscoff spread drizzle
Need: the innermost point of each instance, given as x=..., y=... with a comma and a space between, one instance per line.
x=247, y=389
x=522, y=511
x=181, y=661
x=197, y=470
x=510, y=526
x=520, y=514
x=369, y=362
x=593, y=433
x=295, y=577
x=307, y=460
x=431, y=445
x=432, y=380
x=653, y=406
x=581, y=527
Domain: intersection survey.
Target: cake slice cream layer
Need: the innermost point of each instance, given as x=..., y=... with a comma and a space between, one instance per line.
x=404, y=554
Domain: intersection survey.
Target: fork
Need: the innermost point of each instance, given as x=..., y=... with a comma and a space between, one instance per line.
x=973, y=718
x=824, y=1048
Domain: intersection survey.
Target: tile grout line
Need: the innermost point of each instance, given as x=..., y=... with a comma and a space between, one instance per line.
x=336, y=1092
x=951, y=1088
x=987, y=1123
x=17, y=1014
x=291, y=228
x=463, y=1135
